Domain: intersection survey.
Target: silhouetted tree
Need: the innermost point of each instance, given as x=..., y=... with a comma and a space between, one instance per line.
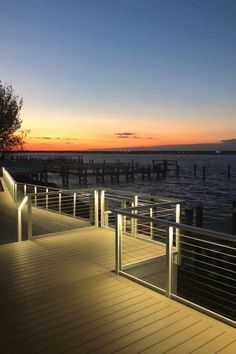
x=10, y=122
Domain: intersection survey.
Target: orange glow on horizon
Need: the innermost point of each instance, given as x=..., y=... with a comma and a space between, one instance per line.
x=83, y=131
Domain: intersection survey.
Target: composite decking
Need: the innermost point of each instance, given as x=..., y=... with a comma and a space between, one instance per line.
x=59, y=295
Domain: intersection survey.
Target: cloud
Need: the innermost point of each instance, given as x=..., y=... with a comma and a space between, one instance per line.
x=125, y=135
x=42, y=137
x=50, y=138
x=229, y=142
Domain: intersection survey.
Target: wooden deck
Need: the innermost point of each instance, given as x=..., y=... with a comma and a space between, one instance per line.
x=59, y=295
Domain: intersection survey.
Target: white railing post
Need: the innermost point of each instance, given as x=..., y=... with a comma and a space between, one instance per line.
x=59, y=207
x=74, y=204
x=118, y=243
x=19, y=226
x=123, y=206
x=25, y=190
x=19, y=218
x=35, y=193
x=177, y=234
x=102, y=208
x=169, y=260
x=134, y=221
x=96, y=221
x=15, y=191
x=47, y=199
x=29, y=218
x=151, y=223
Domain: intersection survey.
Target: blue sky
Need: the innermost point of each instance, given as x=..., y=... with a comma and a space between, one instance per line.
x=108, y=66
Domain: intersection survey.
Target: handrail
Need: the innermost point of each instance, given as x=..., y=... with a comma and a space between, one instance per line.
x=202, y=231
x=195, y=268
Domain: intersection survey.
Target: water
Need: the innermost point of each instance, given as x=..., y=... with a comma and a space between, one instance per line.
x=216, y=193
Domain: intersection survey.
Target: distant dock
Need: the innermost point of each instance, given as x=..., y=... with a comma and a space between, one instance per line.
x=37, y=170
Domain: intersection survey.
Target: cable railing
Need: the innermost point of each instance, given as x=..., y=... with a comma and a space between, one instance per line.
x=114, y=199
x=85, y=204
x=55, y=212
x=189, y=264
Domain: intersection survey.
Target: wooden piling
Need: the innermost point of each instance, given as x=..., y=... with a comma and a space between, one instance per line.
x=188, y=216
x=164, y=168
x=234, y=221
x=195, y=170
x=177, y=170
x=199, y=216
x=228, y=171
x=203, y=172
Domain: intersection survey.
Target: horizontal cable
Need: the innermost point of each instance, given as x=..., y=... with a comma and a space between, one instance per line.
x=207, y=249
x=206, y=241
x=211, y=265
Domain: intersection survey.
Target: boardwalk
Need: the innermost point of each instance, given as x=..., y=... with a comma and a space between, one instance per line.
x=59, y=295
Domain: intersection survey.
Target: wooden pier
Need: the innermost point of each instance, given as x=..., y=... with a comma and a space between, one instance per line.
x=38, y=170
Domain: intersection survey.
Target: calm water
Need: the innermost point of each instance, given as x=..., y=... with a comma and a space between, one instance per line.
x=216, y=193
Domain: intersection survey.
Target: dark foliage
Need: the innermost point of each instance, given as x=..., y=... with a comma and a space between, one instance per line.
x=10, y=122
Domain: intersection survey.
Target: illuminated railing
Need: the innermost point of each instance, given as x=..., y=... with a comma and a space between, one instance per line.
x=39, y=209
x=189, y=264
x=10, y=183
x=111, y=199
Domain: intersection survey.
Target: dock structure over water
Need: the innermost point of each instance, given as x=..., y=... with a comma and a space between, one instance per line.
x=59, y=294
x=39, y=169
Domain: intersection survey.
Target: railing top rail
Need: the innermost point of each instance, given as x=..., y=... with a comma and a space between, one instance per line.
x=148, y=205
x=62, y=191
x=35, y=185
x=201, y=231
x=141, y=195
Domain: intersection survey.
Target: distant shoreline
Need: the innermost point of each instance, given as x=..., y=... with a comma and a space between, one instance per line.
x=125, y=152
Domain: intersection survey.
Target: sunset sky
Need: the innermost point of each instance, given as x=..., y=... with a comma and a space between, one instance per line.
x=98, y=74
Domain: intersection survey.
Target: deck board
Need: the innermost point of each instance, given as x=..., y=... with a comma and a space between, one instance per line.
x=59, y=294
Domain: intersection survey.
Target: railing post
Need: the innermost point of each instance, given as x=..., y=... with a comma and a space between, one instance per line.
x=59, y=207
x=19, y=229
x=123, y=206
x=151, y=223
x=169, y=260
x=102, y=208
x=19, y=218
x=134, y=221
x=25, y=190
x=118, y=240
x=177, y=234
x=46, y=199
x=29, y=218
x=35, y=193
x=74, y=205
x=15, y=191
x=96, y=223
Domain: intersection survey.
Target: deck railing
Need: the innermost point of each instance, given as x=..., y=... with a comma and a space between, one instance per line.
x=93, y=205
x=37, y=208
x=189, y=264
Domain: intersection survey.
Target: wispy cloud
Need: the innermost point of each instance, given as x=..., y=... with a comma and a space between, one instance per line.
x=53, y=138
x=128, y=135
x=125, y=135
